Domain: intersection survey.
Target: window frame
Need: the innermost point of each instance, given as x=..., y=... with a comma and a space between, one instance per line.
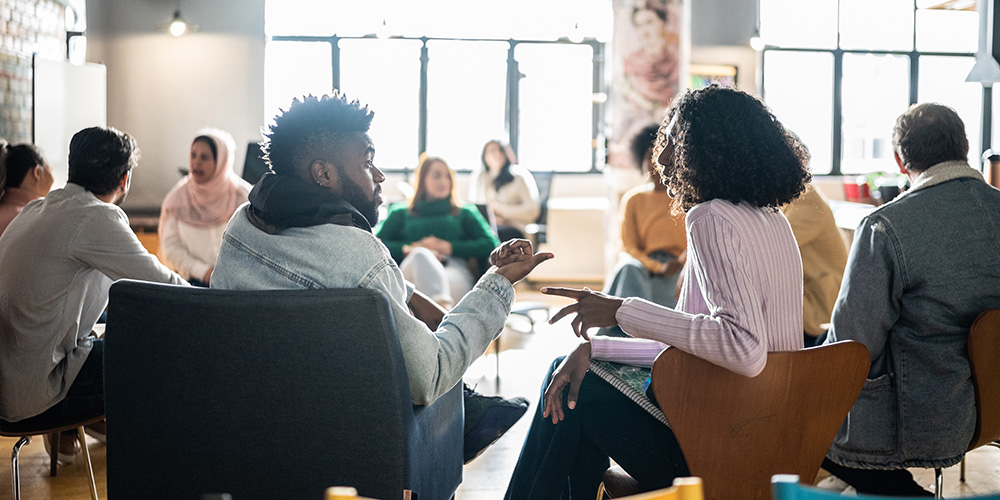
x=599, y=86
x=913, y=56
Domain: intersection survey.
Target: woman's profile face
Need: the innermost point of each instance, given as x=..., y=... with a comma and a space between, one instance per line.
x=46, y=179
x=202, y=163
x=437, y=182
x=665, y=160
x=495, y=157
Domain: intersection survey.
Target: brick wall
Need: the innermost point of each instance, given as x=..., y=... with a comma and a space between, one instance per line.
x=26, y=27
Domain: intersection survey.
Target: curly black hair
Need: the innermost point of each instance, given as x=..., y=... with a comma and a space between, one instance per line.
x=99, y=157
x=309, y=123
x=729, y=145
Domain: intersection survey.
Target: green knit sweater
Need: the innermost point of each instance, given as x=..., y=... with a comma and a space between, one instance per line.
x=468, y=232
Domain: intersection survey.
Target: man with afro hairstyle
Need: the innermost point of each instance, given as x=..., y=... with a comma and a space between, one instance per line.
x=309, y=225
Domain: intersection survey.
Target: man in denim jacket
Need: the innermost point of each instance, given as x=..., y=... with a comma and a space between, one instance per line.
x=309, y=225
x=920, y=270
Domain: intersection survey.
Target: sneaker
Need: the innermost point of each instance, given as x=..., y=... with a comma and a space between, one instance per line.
x=487, y=418
x=97, y=431
x=69, y=446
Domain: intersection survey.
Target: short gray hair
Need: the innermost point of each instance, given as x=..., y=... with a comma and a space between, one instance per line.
x=927, y=134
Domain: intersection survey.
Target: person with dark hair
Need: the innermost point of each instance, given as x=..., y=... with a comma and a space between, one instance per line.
x=24, y=176
x=921, y=269
x=508, y=188
x=433, y=237
x=309, y=225
x=730, y=164
x=653, y=235
x=58, y=259
x=196, y=210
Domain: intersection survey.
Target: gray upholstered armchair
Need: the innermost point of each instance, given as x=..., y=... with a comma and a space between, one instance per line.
x=267, y=394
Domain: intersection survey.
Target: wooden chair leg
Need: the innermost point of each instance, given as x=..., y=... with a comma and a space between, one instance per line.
x=86, y=458
x=54, y=453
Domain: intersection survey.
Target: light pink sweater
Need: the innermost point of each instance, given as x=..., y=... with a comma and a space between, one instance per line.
x=742, y=295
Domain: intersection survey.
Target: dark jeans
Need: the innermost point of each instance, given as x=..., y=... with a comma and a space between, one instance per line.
x=878, y=482
x=85, y=398
x=567, y=460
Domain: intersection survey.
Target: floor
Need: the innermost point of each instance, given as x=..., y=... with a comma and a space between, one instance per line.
x=524, y=359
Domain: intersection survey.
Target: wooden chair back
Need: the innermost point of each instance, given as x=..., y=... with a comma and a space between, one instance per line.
x=684, y=488
x=736, y=431
x=984, y=354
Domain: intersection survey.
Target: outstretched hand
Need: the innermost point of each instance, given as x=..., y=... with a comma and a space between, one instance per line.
x=569, y=374
x=592, y=309
x=514, y=259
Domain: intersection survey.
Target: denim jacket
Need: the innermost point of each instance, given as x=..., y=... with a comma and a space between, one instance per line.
x=341, y=256
x=920, y=270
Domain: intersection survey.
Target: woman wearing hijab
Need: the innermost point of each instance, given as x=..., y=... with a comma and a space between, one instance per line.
x=195, y=212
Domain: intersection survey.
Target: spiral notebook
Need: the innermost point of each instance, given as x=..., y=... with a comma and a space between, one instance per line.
x=632, y=381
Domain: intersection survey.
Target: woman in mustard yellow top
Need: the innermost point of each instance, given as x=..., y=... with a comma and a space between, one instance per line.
x=653, y=236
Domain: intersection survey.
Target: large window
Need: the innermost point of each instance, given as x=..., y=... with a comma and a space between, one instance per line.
x=839, y=74
x=444, y=78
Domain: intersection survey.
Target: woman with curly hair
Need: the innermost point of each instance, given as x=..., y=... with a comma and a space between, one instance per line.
x=729, y=164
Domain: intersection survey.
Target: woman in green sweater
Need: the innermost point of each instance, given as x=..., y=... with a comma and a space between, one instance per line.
x=433, y=237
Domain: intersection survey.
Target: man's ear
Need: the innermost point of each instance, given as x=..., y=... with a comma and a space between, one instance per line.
x=899, y=163
x=123, y=182
x=323, y=173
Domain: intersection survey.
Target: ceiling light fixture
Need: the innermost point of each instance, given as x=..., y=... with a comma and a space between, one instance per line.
x=178, y=27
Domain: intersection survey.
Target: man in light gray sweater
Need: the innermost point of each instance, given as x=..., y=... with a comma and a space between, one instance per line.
x=58, y=259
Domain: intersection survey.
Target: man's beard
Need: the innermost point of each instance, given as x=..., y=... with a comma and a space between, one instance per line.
x=353, y=194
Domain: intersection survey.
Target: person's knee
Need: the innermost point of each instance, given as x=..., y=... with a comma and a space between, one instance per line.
x=421, y=255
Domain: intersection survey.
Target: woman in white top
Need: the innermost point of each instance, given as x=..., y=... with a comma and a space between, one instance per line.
x=195, y=212
x=508, y=188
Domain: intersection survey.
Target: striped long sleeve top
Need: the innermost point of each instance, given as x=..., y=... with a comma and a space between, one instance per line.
x=742, y=295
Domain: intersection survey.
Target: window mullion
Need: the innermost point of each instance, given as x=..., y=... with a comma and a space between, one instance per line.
x=422, y=113
x=838, y=114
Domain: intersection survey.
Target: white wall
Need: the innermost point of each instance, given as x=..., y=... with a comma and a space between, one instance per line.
x=162, y=89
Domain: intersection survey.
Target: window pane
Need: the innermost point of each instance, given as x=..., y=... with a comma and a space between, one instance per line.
x=942, y=79
x=556, y=103
x=798, y=88
x=466, y=92
x=875, y=92
x=798, y=23
x=294, y=69
x=947, y=31
x=876, y=24
x=385, y=74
